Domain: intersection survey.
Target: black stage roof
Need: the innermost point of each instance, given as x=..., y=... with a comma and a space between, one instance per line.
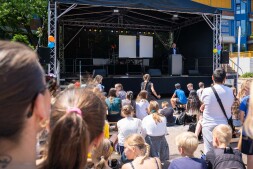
x=169, y=15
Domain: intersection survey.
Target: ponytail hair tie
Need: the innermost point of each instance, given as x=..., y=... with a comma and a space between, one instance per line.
x=75, y=110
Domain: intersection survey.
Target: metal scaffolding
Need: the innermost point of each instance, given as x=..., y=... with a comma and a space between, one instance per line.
x=53, y=23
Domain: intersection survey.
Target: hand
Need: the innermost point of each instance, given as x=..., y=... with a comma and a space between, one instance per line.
x=202, y=107
x=158, y=96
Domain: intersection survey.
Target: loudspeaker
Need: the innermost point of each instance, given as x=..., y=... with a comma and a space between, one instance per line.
x=101, y=72
x=224, y=57
x=44, y=55
x=193, y=72
x=154, y=72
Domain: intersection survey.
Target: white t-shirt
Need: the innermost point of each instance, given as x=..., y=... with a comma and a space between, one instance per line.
x=126, y=127
x=141, y=108
x=149, y=127
x=199, y=92
x=213, y=114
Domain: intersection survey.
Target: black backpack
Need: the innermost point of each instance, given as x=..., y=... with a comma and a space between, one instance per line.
x=228, y=160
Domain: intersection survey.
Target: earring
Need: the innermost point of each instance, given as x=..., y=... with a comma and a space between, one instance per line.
x=44, y=123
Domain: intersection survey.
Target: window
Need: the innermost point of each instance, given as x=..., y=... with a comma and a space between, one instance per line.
x=238, y=9
x=226, y=27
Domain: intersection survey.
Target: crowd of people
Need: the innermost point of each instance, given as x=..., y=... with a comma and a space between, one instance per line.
x=75, y=122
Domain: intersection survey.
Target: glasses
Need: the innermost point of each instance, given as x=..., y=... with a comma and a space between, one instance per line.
x=42, y=91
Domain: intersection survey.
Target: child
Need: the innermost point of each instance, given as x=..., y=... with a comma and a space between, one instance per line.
x=187, y=144
x=223, y=156
x=168, y=113
x=101, y=154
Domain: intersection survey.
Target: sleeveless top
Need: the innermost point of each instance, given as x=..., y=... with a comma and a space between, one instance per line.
x=131, y=163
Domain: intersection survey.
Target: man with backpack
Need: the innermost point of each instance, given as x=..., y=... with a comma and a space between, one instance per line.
x=223, y=156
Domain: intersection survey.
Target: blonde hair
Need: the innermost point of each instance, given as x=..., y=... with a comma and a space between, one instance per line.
x=223, y=133
x=153, y=108
x=244, y=89
x=127, y=110
x=101, y=154
x=138, y=141
x=189, y=85
x=165, y=104
x=98, y=79
x=119, y=85
x=142, y=95
x=146, y=77
x=249, y=119
x=188, y=142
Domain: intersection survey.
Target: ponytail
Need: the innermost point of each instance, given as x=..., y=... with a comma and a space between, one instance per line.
x=146, y=153
x=157, y=117
x=72, y=150
x=101, y=163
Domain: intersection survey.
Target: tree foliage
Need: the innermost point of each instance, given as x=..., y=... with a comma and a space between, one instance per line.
x=16, y=16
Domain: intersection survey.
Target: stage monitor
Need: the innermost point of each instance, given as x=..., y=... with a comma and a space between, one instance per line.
x=127, y=46
x=146, y=47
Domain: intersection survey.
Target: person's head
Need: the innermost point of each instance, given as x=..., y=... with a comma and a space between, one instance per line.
x=135, y=146
x=98, y=79
x=112, y=92
x=165, y=104
x=201, y=85
x=174, y=45
x=189, y=86
x=101, y=154
x=127, y=111
x=244, y=89
x=118, y=86
x=219, y=75
x=24, y=98
x=153, y=109
x=77, y=122
x=142, y=95
x=222, y=135
x=146, y=77
x=187, y=143
x=129, y=95
x=193, y=94
x=177, y=86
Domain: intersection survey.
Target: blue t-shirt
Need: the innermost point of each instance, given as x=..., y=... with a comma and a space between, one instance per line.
x=181, y=96
x=244, y=105
x=186, y=162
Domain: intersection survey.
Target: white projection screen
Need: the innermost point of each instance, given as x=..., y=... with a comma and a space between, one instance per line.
x=127, y=46
x=146, y=47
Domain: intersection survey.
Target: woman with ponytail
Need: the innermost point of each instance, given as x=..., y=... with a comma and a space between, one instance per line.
x=137, y=150
x=154, y=130
x=101, y=155
x=76, y=125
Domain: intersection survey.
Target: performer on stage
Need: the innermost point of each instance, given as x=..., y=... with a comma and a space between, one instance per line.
x=174, y=49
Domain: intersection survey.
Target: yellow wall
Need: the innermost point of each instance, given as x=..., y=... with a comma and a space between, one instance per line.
x=215, y=3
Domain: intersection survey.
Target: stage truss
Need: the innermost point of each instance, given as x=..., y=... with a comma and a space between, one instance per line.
x=53, y=24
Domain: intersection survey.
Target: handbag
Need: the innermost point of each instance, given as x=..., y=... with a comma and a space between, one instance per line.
x=230, y=120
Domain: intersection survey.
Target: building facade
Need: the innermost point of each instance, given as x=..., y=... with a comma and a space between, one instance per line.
x=235, y=13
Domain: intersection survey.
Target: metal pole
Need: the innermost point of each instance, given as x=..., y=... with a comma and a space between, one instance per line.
x=80, y=69
x=238, y=57
x=48, y=68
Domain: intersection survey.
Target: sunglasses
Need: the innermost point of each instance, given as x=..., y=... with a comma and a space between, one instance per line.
x=42, y=91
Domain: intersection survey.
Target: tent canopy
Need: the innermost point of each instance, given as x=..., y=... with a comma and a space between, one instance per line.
x=166, y=15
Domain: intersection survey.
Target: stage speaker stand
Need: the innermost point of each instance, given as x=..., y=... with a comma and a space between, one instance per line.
x=44, y=55
x=224, y=57
x=101, y=72
x=155, y=72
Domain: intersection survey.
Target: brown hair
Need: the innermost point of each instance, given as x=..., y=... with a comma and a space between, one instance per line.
x=72, y=133
x=119, y=85
x=142, y=95
x=22, y=78
x=101, y=154
x=153, y=108
x=127, y=110
x=138, y=141
x=165, y=104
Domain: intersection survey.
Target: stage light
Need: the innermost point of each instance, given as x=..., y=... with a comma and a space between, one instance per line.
x=116, y=11
x=100, y=30
x=117, y=31
x=153, y=33
x=149, y=33
x=90, y=30
x=112, y=31
x=121, y=31
x=139, y=32
x=95, y=30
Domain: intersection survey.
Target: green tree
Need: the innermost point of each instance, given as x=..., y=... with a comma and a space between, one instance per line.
x=16, y=16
